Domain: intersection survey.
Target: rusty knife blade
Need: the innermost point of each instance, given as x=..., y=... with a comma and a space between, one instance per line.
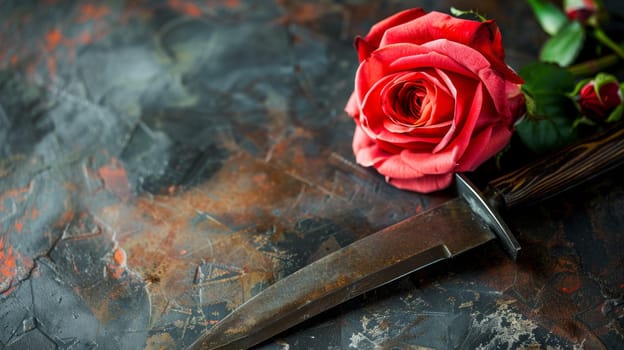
x=412, y=244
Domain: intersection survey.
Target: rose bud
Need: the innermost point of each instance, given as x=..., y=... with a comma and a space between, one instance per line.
x=580, y=10
x=433, y=96
x=598, y=103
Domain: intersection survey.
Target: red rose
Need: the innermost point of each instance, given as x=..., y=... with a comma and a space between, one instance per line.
x=598, y=105
x=432, y=97
x=580, y=10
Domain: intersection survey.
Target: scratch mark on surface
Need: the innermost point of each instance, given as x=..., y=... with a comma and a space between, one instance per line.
x=315, y=185
x=11, y=213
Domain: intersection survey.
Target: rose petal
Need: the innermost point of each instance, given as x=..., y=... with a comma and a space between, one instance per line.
x=484, y=146
x=435, y=107
x=427, y=163
x=423, y=184
x=395, y=167
x=374, y=36
x=416, y=146
x=431, y=134
x=425, y=132
x=363, y=48
x=484, y=37
x=367, y=153
x=371, y=107
x=418, y=59
x=398, y=58
x=477, y=63
x=433, y=25
x=352, y=107
x=464, y=120
x=466, y=124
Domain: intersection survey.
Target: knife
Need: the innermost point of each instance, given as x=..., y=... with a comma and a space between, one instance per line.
x=463, y=223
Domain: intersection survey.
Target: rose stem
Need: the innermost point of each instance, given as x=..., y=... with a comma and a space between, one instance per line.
x=594, y=66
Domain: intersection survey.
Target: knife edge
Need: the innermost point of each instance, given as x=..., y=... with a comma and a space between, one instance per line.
x=377, y=259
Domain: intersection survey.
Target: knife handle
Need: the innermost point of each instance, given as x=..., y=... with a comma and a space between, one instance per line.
x=560, y=171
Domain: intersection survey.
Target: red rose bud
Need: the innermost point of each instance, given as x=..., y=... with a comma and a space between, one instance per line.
x=598, y=105
x=580, y=10
x=433, y=96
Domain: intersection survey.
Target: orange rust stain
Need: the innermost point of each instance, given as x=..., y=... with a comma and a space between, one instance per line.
x=118, y=266
x=65, y=218
x=419, y=209
x=165, y=228
x=19, y=226
x=90, y=12
x=305, y=13
x=115, y=179
x=116, y=271
x=119, y=256
x=53, y=39
x=192, y=10
x=570, y=284
x=84, y=38
x=185, y=7
x=7, y=262
x=34, y=213
x=14, y=59
x=259, y=179
x=232, y=4
x=17, y=194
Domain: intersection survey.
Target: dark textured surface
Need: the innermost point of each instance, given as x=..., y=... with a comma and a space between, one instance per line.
x=164, y=161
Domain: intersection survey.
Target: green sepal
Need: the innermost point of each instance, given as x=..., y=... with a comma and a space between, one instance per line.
x=602, y=79
x=616, y=115
x=459, y=13
x=579, y=86
x=583, y=121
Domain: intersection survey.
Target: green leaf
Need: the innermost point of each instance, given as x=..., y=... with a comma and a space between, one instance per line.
x=550, y=110
x=546, y=77
x=549, y=16
x=545, y=135
x=549, y=122
x=564, y=47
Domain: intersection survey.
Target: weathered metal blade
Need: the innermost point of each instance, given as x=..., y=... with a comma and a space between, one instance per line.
x=437, y=234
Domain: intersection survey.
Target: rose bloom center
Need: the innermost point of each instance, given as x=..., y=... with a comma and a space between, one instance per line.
x=410, y=101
